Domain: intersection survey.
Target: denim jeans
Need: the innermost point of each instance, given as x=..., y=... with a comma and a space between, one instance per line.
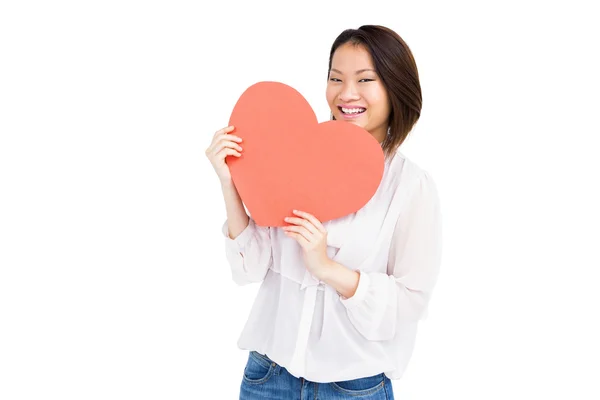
x=265, y=379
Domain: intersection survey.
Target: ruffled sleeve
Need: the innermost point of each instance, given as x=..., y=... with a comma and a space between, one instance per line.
x=249, y=254
x=403, y=293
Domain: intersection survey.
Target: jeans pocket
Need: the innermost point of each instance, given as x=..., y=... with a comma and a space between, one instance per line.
x=258, y=369
x=361, y=386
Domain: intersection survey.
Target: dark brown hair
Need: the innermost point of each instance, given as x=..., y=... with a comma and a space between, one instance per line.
x=396, y=67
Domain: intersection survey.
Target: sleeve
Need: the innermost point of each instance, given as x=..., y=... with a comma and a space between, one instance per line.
x=402, y=294
x=249, y=254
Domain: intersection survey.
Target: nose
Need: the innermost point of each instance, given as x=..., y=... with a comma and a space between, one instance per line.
x=348, y=92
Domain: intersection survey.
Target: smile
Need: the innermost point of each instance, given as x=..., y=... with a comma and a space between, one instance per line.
x=351, y=113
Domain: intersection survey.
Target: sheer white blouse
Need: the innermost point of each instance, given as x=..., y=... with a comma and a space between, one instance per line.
x=304, y=325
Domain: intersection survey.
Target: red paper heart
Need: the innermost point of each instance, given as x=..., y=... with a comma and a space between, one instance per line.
x=291, y=162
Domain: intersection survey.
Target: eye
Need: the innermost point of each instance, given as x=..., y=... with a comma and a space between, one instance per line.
x=367, y=80
x=334, y=80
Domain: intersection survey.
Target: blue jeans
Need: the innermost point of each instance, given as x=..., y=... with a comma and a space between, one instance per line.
x=265, y=379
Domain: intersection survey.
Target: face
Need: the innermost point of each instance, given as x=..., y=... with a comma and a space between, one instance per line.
x=355, y=92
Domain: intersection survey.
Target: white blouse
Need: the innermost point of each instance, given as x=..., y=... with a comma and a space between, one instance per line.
x=304, y=325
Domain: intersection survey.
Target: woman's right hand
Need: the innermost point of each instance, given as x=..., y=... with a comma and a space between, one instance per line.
x=223, y=144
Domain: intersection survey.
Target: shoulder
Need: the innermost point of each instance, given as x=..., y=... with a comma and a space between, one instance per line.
x=406, y=171
x=415, y=189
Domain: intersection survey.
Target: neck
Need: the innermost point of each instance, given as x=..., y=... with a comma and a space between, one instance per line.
x=379, y=134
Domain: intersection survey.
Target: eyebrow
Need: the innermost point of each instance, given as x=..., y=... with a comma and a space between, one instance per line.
x=357, y=72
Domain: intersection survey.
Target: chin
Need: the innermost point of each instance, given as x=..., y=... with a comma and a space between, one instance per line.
x=362, y=124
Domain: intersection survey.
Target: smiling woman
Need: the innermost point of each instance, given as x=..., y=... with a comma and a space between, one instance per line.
x=355, y=92
x=373, y=82
x=339, y=302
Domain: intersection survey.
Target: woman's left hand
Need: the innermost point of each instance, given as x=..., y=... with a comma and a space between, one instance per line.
x=312, y=236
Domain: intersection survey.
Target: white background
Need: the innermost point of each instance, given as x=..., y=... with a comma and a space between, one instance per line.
x=113, y=279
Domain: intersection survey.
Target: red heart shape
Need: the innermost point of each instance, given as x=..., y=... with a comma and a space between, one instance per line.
x=291, y=162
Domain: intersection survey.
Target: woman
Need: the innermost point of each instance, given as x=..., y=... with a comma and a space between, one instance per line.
x=337, y=311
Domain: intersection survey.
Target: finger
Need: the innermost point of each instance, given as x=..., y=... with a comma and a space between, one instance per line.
x=227, y=136
x=224, y=140
x=221, y=140
x=312, y=219
x=301, y=231
x=227, y=143
x=299, y=238
x=216, y=148
x=218, y=142
x=224, y=130
x=228, y=152
x=300, y=221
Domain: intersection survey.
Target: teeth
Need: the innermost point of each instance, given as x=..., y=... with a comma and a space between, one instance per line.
x=352, y=110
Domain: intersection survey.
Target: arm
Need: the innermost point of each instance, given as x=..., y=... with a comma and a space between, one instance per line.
x=237, y=219
x=247, y=246
x=376, y=302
